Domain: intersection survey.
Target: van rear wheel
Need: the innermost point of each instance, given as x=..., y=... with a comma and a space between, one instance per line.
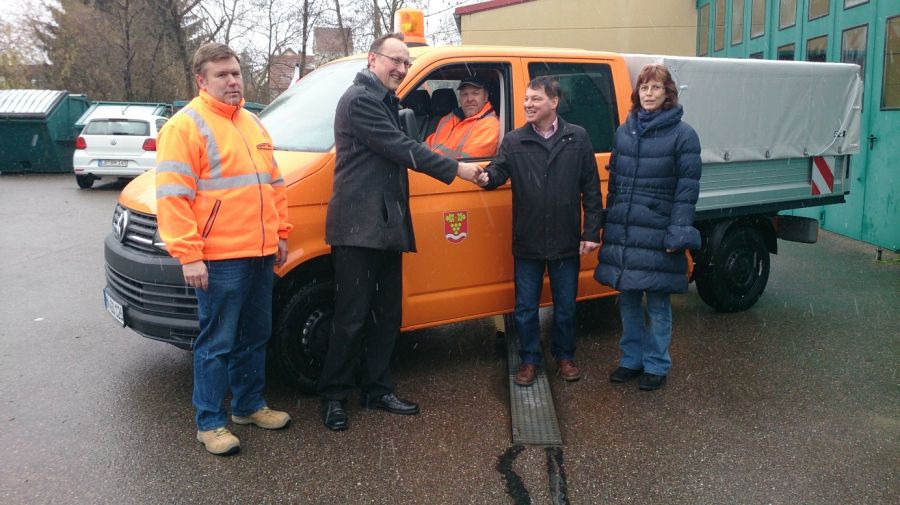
x=300, y=335
x=85, y=181
x=737, y=273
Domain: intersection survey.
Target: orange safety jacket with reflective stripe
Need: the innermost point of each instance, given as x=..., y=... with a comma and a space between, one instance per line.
x=219, y=192
x=472, y=137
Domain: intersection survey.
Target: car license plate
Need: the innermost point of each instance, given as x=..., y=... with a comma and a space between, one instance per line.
x=115, y=309
x=113, y=163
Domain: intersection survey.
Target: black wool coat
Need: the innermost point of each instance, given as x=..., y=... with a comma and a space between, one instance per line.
x=369, y=205
x=552, y=181
x=654, y=183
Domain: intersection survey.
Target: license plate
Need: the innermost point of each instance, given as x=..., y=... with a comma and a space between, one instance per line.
x=113, y=163
x=115, y=309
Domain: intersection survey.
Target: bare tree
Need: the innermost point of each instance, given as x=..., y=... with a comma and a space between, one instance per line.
x=345, y=35
x=225, y=20
x=176, y=15
x=17, y=56
x=309, y=15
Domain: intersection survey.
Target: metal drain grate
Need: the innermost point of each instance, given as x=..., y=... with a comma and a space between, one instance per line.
x=532, y=412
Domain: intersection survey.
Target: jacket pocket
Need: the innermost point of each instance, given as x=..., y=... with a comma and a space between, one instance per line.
x=212, y=219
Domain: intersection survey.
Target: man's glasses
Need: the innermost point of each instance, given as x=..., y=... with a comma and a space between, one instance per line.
x=397, y=61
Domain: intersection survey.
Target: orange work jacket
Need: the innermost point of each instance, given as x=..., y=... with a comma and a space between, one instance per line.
x=219, y=192
x=472, y=137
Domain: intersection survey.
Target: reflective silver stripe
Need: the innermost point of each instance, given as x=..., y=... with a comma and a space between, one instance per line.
x=236, y=181
x=174, y=190
x=442, y=122
x=278, y=182
x=446, y=151
x=465, y=138
x=462, y=141
x=212, y=149
x=176, y=167
x=262, y=129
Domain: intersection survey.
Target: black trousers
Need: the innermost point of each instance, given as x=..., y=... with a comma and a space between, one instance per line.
x=367, y=313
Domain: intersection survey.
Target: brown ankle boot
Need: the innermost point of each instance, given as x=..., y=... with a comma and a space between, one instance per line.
x=568, y=371
x=526, y=375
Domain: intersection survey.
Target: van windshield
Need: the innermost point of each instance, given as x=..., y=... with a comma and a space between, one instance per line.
x=302, y=118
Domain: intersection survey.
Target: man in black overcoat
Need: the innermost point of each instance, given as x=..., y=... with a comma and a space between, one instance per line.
x=369, y=226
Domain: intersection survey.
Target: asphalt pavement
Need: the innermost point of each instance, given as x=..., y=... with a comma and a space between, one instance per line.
x=795, y=401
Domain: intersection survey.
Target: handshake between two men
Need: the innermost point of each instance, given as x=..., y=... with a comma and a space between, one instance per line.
x=473, y=173
x=478, y=175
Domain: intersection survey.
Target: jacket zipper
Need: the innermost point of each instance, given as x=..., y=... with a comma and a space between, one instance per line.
x=262, y=222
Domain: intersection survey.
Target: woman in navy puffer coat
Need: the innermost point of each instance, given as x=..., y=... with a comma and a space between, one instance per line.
x=654, y=183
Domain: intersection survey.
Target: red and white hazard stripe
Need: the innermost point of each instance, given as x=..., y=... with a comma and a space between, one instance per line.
x=822, y=175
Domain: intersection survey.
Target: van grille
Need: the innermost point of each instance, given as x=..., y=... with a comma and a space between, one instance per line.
x=162, y=299
x=137, y=230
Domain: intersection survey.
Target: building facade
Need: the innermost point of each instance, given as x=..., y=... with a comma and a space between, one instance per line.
x=629, y=26
x=864, y=32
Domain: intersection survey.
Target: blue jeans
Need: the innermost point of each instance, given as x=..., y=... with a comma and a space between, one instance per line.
x=235, y=326
x=529, y=276
x=646, y=346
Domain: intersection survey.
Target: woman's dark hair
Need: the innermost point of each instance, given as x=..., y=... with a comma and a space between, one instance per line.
x=655, y=73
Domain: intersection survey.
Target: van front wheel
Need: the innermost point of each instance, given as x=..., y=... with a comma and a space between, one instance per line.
x=300, y=335
x=737, y=272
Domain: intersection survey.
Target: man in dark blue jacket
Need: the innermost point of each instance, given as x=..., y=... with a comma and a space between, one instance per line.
x=554, y=177
x=369, y=226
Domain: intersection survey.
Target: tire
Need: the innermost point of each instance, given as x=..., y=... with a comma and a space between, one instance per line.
x=737, y=273
x=85, y=181
x=301, y=333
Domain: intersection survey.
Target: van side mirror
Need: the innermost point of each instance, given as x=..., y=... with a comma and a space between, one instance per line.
x=408, y=123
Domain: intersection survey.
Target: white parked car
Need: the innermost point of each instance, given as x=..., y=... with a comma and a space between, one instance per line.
x=116, y=146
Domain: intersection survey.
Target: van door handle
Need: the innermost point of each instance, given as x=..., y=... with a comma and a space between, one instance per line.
x=872, y=139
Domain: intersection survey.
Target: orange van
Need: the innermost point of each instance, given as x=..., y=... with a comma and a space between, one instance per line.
x=464, y=267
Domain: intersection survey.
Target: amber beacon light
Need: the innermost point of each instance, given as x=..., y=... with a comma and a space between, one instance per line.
x=411, y=23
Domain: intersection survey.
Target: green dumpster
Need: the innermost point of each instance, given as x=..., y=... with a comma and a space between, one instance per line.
x=36, y=130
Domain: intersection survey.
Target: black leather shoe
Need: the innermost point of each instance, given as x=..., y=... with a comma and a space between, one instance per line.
x=333, y=415
x=390, y=403
x=623, y=374
x=650, y=381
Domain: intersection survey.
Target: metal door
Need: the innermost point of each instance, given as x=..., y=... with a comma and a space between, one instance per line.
x=868, y=34
x=881, y=209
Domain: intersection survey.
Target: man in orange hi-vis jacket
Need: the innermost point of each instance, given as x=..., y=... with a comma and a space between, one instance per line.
x=472, y=130
x=222, y=212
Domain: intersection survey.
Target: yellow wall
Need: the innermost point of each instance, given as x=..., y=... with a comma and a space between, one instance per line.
x=632, y=26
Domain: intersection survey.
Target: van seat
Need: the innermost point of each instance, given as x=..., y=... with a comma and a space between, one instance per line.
x=420, y=103
x=443, y=100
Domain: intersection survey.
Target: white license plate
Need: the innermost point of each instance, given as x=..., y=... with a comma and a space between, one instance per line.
x=115, y=309
x=112, y=163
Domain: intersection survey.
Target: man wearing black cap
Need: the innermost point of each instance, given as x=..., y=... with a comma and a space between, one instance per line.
x=472, y=130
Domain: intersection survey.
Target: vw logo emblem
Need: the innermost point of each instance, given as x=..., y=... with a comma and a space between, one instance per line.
x=113, y=142
x=120, y=225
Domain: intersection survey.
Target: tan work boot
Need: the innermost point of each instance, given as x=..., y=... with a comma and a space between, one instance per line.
x=219, y=441
x=265, y=418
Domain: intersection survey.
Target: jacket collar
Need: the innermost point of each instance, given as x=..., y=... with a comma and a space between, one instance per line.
x=665, y=118
x=221, y=108
x=485, y=111
x=366, y=78
x=562, y=129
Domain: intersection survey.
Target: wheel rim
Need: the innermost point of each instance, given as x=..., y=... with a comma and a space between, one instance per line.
x=744, y=267
x=309, y=343
x=315, y=333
